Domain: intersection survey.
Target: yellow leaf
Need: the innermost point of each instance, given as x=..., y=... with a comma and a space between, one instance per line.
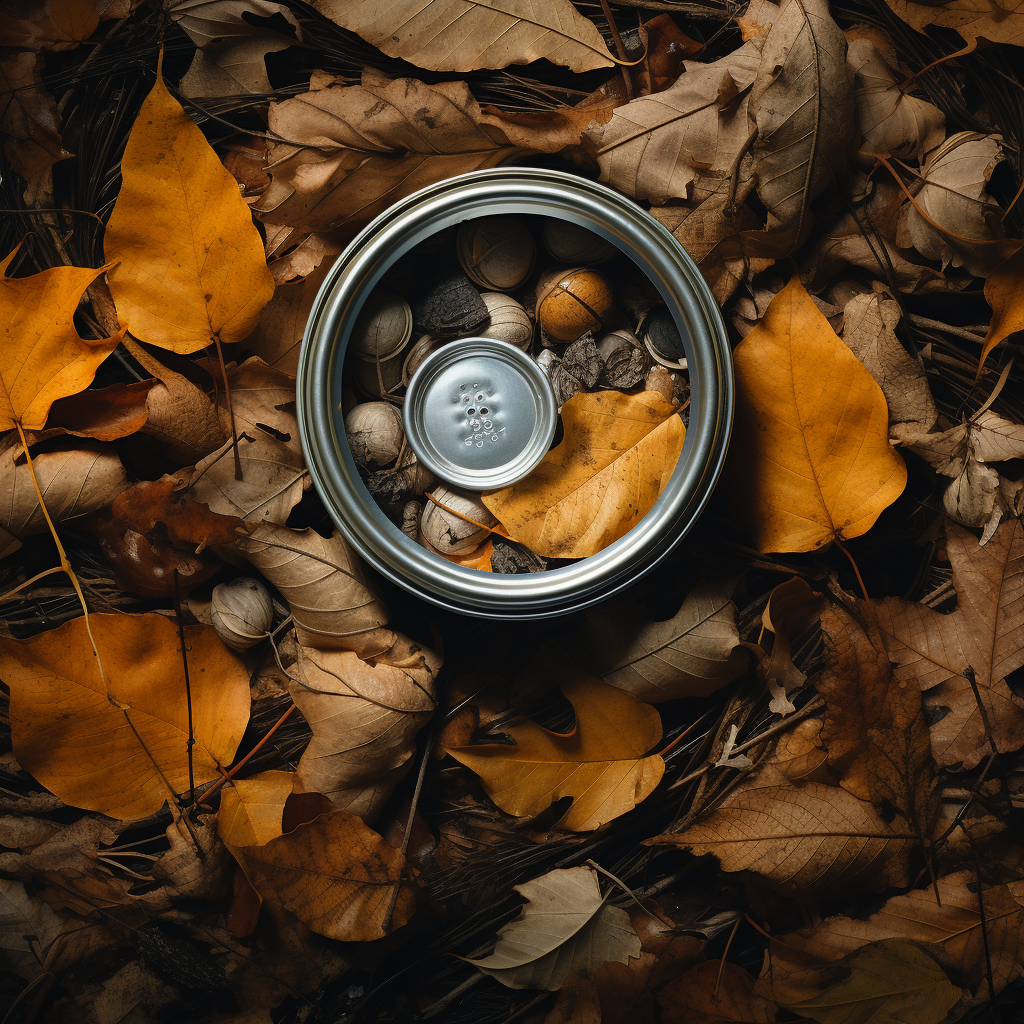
x=72, y=739
x=43, y=357
x=602, y=764
x=191, y=265
x=1003, y=294
x=810, y=456
x=618, y=453
x=251, y=810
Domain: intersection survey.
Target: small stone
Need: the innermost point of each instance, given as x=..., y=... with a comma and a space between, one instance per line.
x=452, y=307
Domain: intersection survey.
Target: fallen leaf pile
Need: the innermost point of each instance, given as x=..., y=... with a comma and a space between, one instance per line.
x=245, y=779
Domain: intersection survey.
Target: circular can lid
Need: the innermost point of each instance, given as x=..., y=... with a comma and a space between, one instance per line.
x=479, y=413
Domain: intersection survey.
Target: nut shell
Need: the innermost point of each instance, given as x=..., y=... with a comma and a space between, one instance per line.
x=573, y=301
x=383, y=326
x=496, y=252
x=423, y=347
x=509, y=320
x=571, y=243
x=375, y=433
x=362, y=374
x=448, y=533
x=662, y=339
x=242, y=612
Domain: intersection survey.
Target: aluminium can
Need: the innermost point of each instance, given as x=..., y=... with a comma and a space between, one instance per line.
x=519, y=192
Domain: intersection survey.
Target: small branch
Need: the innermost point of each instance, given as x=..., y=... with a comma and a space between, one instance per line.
x=619, y=48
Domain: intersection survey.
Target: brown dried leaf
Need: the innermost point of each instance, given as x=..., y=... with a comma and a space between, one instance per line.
x=364, y=716
x=48, y=24
x=466, y=35
x=715, y=992
x=875, y=730
x=29, y=121
x=890, y=121
x=1001, y=24
x=802, y=105
x=692, y=654
x=804, y=840
x=322, y=581
x=982, y=637
x=274, y=473
x=103, y=413
x=566, y=927
x=73, y=484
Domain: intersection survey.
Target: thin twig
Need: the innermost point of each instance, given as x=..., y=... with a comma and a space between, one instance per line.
x=188, y=690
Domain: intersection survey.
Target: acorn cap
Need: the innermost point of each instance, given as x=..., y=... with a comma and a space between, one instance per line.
x=496, y=252
x=383, y=326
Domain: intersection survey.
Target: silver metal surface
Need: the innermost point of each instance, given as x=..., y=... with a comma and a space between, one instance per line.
x=479, y=413
x=521, y=192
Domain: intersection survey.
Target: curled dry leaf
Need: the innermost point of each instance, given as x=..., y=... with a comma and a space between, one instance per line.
x=190, y=267
x=334, y=873
x=802, y=106
x=875, y=729
x=197, y=866
x=1003, y=293
x=124, y=759
x=322, y=581
x=811, y=460
x=617, y=455
x=890, y=121
x=104, y=414
x=952, y=193
x=869, y=322
x=274, y=473
x=364, y=716
x=655, y=146
x=73, y=484
x=692, y=654
x=566, y=927
x=44, y=357
x=889, y=982
x=466, y=35
x=792, y=609
x=951, y=921
x=805, y=840
x=603, y=763
x=980, y=640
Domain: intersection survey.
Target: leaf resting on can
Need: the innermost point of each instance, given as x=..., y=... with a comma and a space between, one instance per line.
x=617, y=455
x=810, y=460
x=603, y=763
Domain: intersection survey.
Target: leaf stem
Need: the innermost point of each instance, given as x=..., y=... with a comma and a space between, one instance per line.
x=856, y=571
x=231, y=411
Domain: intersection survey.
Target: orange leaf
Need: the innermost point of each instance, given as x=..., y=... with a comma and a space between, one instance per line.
x=191, y=265
x=1003, y=294
x=810, y=457
x=123, y=761
x=43, y=357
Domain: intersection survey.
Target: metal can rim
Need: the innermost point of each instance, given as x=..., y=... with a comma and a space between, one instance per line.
x=520, y=191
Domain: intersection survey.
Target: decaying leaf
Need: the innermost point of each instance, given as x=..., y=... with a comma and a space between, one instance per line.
x=952, y=192
x=48, y=24
x=364, y=716
x=44, y=357
x=715, y=992
x=810, y=460
x=29, y=122
x=28, y=929
x=104, y=414
x=655, y=146
x=802, y=105
x=274, y=474
x=979, y=643
x=73, y=484
x=1003, y=294
x=875, y=729
x=566, y=927
x=792, y=609
x=890, y=121
x=1000, y=24
x=334, y=873
x=805, y=840
x=617, y=455
x=887, y=982
x=323, y=583
x=251, y=809
x=692, y=654
x=464, y=35
x=190, y=267
x=869, y=322
x=603, y=763
x=124, y=759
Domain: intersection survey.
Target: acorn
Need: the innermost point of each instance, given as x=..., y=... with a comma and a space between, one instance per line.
x=662, y=339
x=423, y=347
x=509, y=320
x=383, y=326
x=571, y=243
x=445, y=524
x=496, y=252
x=242, y=612
x=375, y=433
x=573, y=301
